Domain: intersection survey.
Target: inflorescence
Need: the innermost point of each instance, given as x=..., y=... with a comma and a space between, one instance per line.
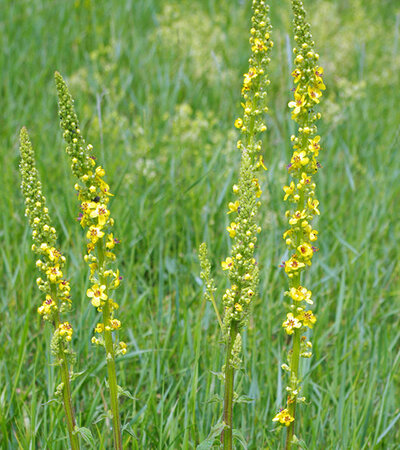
x=50, y=262
x=94, y=195
x=301, y=236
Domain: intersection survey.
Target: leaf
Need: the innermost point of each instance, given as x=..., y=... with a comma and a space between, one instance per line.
x=219, y=375
x=215, y=399
x=238, y=436
x=209, y=441
x=126, y=393
x=244, y=399
x=85, y=434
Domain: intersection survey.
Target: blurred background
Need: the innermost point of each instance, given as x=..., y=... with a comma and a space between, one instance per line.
x=157, y=89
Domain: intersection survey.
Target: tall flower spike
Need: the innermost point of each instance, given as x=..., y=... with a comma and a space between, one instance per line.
x=94, y=195
x=300, y=237
x=241, y=266
x=54, y=286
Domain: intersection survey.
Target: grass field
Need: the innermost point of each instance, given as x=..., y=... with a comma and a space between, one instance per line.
x=157, y=87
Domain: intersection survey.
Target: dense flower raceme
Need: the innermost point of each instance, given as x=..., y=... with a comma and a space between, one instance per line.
x=301, y=236
x=94, y=195
x=50, y=262
x=241, y=265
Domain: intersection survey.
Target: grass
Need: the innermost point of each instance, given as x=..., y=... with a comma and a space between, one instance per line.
x=159, y=111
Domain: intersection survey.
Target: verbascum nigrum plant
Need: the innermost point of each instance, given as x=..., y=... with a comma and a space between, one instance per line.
x=53, y=284
x=241, y=266
x=94, y=195
x=301, y=236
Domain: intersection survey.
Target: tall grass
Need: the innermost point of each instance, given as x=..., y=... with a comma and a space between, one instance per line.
x=167, y=127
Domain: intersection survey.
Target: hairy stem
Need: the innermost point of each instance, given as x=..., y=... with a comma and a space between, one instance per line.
x=226, y=435
x=66, y=390
x=110, y=356
x=69, y=412
x=294, y=370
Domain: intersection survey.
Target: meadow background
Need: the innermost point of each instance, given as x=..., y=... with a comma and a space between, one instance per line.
x=157, y=88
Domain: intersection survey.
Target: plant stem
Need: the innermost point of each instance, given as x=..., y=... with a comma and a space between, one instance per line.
x=294, y=369
x=110, y=357
x=226, y=436
x=69, y=412
x=66, y=391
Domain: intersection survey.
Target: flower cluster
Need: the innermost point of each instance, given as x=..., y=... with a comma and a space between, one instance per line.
x=301, y=236
x=50, y=262
x=241, y=265
x=255, y=83
x=94, y=196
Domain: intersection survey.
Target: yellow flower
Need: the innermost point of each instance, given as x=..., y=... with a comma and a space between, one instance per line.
x=233, y=207
x=314, y=146
x=252, y=73
x=227, y=264
x=94, y=234
x=283, y=417
x=238, y=307
x=314, y=93
x=305, y=250
x=296, y=74
x=93, y=268
x=54, y=254
x=102, y=213
x=47, y=306
x=297, y=104
x=115, y=324
x=298, y=215
x=291, y=265
x=321, y=85
x=258, y=46
x=305, y=179
x=99, y=328
x=54, y=273
x=258, y=188
x=289, y=190
x=301, y=293
x=299, y=159
x=65, y=329
x=313, y=236
x=287, y=233
x=232, y=229
x=238, y=122
x=308, y=318
x=122, y=346
x=64, y=286
x=291, y=323
x=104, y=187
x=260, y=163
x=100, y=172
x=110, y=244
x=96, y=293
x=313, y=206
x=318, y=72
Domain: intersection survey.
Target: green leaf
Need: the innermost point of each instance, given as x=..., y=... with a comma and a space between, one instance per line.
x=238, y=436
x=126, y=393
x=210, y=439
x=244, y=399
x=85, y=434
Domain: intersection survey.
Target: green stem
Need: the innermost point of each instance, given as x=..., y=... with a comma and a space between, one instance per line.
x=226, y=436
x=294, y=370
x=110, y=356
x=69, y=412
x=66, y=390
